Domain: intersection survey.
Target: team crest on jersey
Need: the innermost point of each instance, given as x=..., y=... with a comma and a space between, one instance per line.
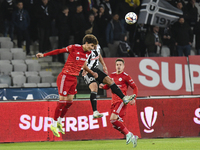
x=64, y=93
x=78, y=53
x=120, y=79
x=77, y=58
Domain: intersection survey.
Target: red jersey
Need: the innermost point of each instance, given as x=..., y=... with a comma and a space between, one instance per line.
x=122, y=80
x=75, y=61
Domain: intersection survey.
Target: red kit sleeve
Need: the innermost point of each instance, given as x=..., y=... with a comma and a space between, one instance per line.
x=132, y=84
x=55, y=52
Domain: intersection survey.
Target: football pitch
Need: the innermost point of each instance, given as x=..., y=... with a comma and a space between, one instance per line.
x=143, y=144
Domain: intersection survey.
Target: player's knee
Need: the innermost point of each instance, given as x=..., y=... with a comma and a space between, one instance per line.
x=108, y=80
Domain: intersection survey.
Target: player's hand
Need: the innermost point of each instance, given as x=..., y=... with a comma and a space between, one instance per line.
x=39, y=55
x=105, y=69
x=132, y=102
x=101, y=86
x=84, y=72
x=95, y=75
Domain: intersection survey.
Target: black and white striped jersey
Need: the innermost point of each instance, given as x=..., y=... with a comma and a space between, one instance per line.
x=93, y=59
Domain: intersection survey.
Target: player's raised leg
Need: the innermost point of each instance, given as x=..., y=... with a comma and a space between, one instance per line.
x=115, y=89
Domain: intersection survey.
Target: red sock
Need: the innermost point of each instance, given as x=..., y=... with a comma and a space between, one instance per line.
x=59, y=108
x=119, y=126
x=65, y=108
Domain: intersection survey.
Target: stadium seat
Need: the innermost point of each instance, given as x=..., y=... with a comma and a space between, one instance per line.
x=30, y=73
x=6, y=55
x=5, y=79
x=16, y=50
x=43, y=85
x=3, y=39
x=20, y=67
x=15, y=73
x=33, y=79
x=17, y=61
x=29, y=85
x=19, y=55
x=54, y=84
x=5, y=61
x=34, y=67
x=6, y=68
x=4, y=50
x=28, y=61
x=45, y=73
x=3, y=85
x=18, y=80
x=47, y=79
x=7, y=44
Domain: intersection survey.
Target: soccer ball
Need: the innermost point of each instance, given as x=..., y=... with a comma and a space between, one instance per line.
x=131, y=18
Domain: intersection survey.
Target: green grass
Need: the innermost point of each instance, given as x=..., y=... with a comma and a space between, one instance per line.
x=143, y=144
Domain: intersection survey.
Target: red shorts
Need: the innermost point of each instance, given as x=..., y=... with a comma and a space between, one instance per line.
x=119, y=108
x=66, y=84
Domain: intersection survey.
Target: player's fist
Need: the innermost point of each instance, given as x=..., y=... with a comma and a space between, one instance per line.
x=95, y=75
x=39, y=55
x=101, y=86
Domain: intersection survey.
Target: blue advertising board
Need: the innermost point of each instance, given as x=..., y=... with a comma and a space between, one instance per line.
x=15, y=94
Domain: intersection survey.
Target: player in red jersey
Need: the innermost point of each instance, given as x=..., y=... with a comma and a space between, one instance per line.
x=66, y=80
x=118, y=108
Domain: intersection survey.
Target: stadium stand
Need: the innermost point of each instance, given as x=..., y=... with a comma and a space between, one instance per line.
x=6, y=68
x=17, y=61
x=54, y=84
x=16, y=50
x=5, y=55
x=47, y=79
x=15, y=73
x=19, y=55
x=34, y=67
x=20, y=67
x=33, y=79
x=5, y=79
x=4, y=85
x=43, y=85
x=5, y=61
x=18, y=80
x=29, y=85
x=30, y=73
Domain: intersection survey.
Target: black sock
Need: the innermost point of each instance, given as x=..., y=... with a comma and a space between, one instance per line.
x=93, y=100
x=115, y=89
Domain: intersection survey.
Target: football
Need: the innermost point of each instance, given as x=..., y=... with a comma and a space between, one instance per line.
x=131, y=18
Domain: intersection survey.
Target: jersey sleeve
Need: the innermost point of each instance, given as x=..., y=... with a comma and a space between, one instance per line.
x=55, y=52
x=132, y=84
x=69, y=48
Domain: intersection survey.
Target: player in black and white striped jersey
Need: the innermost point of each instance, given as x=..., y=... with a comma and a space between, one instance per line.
x=92, y=63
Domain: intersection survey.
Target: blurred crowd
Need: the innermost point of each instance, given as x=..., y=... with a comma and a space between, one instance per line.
x=35, y=21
